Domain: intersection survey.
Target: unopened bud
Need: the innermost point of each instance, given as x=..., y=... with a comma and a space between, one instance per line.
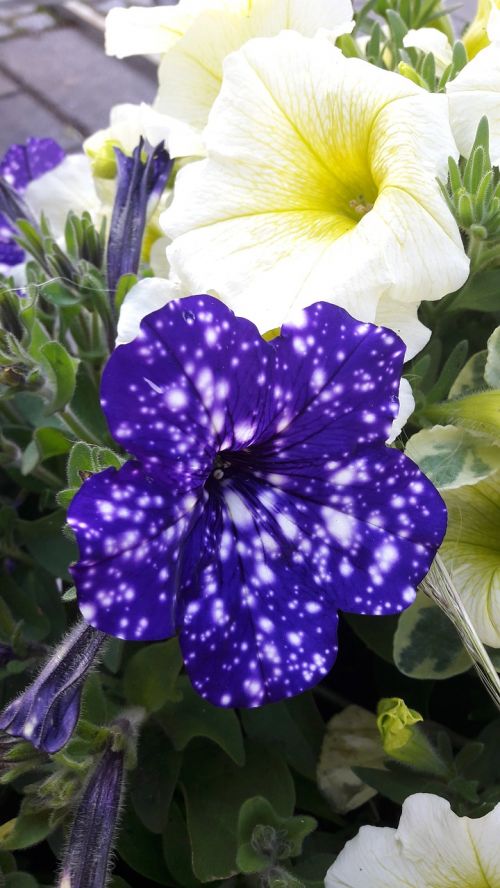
x=403, y=740
x=47, y=711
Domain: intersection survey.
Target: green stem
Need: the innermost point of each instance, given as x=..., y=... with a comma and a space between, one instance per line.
x=77, y=427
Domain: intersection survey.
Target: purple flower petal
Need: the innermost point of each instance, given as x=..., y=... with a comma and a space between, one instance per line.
x=23, y=163
x=19, y=166
x=191, y=384
x=128, y=528
x=255, y=625
x=281, y=501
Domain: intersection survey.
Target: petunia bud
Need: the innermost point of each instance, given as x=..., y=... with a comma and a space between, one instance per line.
x=138, y=183
x=402, y=740
x=47, y=711
x=90, y=842
x=12, y=205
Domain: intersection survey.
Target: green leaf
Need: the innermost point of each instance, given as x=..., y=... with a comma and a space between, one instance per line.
x=426, y=645
x=449, y=372
x=47, y=544
x=94, y=701
x=24, y=831
x=177, y=848
x=61, y=371
x=215, y=788
x=154, y=780
x=20, y=880
x=492, y=368
x=471, y=377
x=194, y=717
x=452, y=456
x=294, y=726
x=288, y=834
x=141, y=850
x=480, y=293
x=395, y=785
x=151, y=674
x=87, y=407
x=376, y=632
x=47, y=442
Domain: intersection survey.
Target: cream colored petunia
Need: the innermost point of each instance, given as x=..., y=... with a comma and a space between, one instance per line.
x=320, y=183
x=431, y=848
x=475, y=93
x=193, y=40
x=141, y=31
x=471, y=552
x=190, y=74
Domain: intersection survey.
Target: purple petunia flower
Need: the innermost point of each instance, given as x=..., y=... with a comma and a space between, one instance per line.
x=48, y=709
x=20, y=165
x=262, y=497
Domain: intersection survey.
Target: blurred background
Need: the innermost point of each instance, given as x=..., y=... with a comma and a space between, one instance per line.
x=55, y=79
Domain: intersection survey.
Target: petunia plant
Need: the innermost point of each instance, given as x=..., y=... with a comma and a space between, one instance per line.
x=249, y=377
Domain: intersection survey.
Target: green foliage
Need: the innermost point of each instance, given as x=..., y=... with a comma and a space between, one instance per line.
x=426, y=644
x=473, y=196
x=264, y=838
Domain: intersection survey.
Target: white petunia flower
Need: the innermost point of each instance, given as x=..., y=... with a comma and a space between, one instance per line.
x=195, y=38
x=431, y=847
x=475, y=93
x=431, y=40
x=320, y=183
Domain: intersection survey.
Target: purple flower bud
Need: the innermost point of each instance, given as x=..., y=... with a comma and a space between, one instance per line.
x=47, y=711
x=138, y=182
x=90, y=842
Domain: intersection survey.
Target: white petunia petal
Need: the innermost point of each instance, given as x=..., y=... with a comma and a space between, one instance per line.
x=403, y=319
x=191, y=72
x=145, y=297
x=69, y=186
x=140, y=31
x=475, y=92
x=471, y=552
x=431, y=40
x=432, y=846
x=406, y=408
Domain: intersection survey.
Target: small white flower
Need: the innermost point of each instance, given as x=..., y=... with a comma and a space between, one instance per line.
x=431, y=847
x=320, y=183
x=475, y=93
